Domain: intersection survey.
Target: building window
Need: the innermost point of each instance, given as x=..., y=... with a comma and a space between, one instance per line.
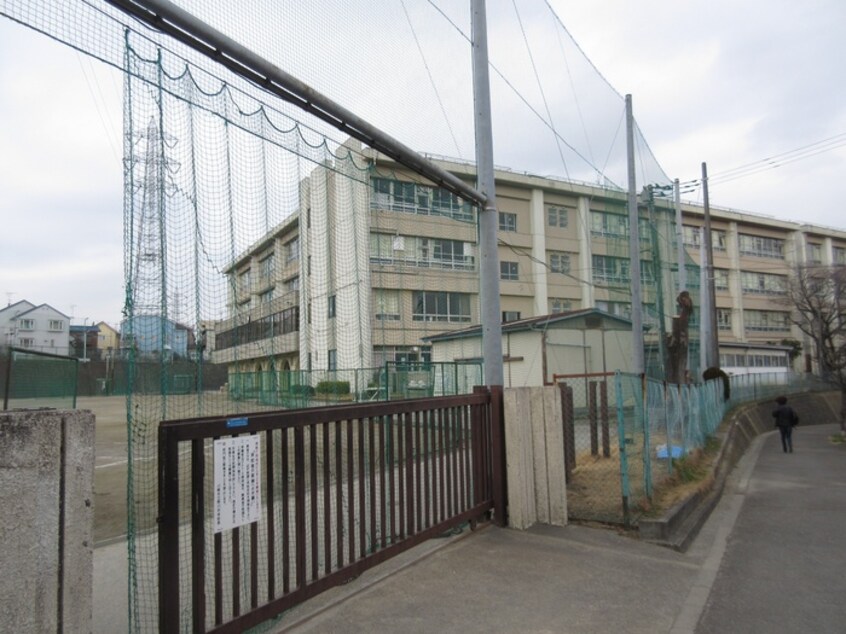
x=763, y=283
x=386, y=305
x=692, y=237
x=559, y=262
x=331, y=310
x=814, y=253
x=766, y=320
x=761, y=247
x=510, y=315
x=509, y=271
x=27, y=324
x=618, y=309
x=401, y=354
x=721, y=279
x=507, y=221
x=839, y=255
x=27, y=342
x=441, y=306
x=292, y=250
x=293, y=284
x=244, y=282
x=57, y=324
x=266, y=298
x=559, y=305
x=557, y=216
x=724, y=319
x=332, y=360
x=267, y=268
x=605, y=224
x=610, y=269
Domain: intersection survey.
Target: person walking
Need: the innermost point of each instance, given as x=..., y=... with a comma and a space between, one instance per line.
x=785, y=419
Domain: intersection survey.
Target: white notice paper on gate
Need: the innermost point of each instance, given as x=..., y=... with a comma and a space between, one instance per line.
x=237, y=482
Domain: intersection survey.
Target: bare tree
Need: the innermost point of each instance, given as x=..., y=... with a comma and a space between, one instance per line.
x=816, y=294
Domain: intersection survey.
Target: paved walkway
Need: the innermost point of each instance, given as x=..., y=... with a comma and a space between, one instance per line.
x=768, y=560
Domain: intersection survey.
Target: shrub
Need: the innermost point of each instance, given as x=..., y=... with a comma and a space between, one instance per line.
x=333, y=387
x=301, y=390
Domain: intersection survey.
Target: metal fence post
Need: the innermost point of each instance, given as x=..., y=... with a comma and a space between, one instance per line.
x=621, y=442
x=592, y=418
x=569, y=429
x=647, y=443
x=603, y=416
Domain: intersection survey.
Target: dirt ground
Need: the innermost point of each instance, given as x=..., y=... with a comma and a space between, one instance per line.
x=109, y=464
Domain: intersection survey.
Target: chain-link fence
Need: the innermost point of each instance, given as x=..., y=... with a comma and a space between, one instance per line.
x=37, y=379
x=625, y=435
x=304, y=388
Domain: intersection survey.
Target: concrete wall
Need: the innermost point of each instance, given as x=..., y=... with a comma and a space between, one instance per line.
x=534, y=442
x=46, y=523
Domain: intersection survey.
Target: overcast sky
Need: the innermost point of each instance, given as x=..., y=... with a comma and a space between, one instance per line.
x=729, y=83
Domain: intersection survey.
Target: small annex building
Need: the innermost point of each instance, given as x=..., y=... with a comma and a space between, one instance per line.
x=534, y=350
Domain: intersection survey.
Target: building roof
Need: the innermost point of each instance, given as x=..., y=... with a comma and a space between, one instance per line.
x=540, y=323
x=34, y=308
x=18, y=306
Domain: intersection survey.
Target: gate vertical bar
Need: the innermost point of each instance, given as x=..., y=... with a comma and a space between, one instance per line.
x=198, y=536
x=168, y=531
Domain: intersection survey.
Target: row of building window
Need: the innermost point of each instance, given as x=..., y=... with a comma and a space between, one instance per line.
x=746, y=360
x=556, y=216
x=52, y=325
x=426, y=306
x=280, y=323
x=394, y=195
x=423, y=252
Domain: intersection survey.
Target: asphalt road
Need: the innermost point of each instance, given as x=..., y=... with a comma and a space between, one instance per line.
x=785, y=558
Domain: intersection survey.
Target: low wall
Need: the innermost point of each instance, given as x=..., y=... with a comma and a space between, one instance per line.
x=46, y=523
x=534, y=455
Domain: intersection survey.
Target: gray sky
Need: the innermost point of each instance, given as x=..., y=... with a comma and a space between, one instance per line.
x=730, y=83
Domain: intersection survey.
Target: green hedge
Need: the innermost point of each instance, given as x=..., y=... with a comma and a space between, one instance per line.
x=333, y=387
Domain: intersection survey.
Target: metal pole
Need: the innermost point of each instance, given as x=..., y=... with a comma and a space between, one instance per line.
x=166, y=17
x=634, y=246
x=712, y=352
x=679, y=236
x=488, y=224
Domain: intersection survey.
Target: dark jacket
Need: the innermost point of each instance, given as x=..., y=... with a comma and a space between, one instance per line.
x=785, y=417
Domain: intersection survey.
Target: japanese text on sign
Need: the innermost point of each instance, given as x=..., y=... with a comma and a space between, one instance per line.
x=237, y=482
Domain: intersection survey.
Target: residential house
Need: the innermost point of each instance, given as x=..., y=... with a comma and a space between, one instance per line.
x=39, y=328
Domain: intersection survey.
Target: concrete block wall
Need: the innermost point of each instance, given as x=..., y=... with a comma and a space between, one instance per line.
x=534, y=441
x=46, y=523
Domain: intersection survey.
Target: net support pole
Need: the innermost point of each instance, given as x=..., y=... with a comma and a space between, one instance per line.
x=709, y=336
x=634, y=246
x=488, y=220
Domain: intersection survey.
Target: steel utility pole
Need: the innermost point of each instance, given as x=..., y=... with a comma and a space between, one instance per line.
x=488, y=221
x=709, y=334
x=638, y=365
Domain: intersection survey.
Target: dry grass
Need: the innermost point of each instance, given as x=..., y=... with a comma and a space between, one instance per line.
x=594, y=490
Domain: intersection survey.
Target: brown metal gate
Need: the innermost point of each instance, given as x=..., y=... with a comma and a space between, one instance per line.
x=342, y=489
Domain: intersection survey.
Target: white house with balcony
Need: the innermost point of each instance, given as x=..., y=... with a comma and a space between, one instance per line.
x=39, y=328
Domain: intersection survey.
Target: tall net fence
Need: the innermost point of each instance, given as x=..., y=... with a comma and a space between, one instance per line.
x=661, y=260
x=251, y=231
